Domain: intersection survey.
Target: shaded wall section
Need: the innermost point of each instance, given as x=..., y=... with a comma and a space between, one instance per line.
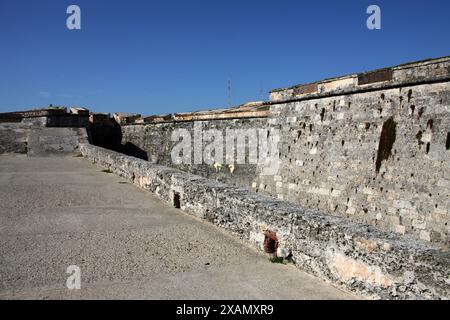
x=156, y=141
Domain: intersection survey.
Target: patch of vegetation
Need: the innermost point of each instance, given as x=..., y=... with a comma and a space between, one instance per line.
x=277, y=260
x=286, y=260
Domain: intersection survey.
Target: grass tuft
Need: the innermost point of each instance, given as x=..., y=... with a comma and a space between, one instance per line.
x=277, y=260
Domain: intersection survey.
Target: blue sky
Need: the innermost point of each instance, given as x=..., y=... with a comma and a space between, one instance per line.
x=166, y=56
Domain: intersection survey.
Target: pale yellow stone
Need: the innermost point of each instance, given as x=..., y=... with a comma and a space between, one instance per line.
x=400, y=229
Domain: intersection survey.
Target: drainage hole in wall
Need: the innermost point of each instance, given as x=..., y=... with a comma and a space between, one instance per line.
x=409, y=95
x=421, y=110
x=176, y=200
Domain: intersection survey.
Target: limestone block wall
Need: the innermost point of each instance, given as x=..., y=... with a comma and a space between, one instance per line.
x=42, y=136
x=55, y=141
x=380, y=158
x=14, y=134
x=13, y=138
x=353, y=256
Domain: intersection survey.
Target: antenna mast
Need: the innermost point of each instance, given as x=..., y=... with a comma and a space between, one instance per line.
x=229, y=93
x=261, y=94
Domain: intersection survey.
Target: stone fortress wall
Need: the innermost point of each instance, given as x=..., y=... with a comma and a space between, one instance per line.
x=362, y=190
x=371, y=147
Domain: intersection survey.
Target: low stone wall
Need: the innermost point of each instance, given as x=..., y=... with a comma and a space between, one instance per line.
x=355, y=257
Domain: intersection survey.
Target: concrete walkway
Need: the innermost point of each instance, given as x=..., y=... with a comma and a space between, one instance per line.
x=56, y=212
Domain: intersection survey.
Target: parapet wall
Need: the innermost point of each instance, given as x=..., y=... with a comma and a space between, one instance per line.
x=409, y=74
x=371, y=147
x=356, y=257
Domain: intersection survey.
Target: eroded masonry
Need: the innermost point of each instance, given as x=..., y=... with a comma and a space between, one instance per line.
x=372, y=147
x=362, y=195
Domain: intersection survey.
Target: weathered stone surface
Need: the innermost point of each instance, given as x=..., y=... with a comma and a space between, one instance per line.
x=13, y=138
x=354, y=256
x=392, y=179
x=407, y=74
x=42, y=132
x=335, y=155
x=155, y=140
x=55, y=141
x=14, y=135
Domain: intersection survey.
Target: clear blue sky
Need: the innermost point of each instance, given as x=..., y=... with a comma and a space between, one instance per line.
x=167, y=56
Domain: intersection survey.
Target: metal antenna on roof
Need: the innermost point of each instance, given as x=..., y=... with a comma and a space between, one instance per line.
x=229, y=93
x=261, y=94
